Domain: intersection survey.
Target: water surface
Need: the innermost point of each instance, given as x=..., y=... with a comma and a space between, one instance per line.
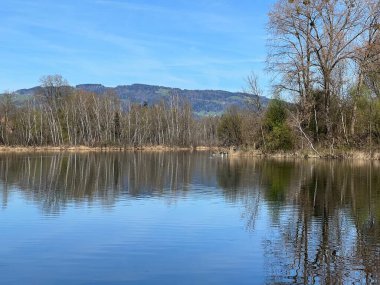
x=187, y=218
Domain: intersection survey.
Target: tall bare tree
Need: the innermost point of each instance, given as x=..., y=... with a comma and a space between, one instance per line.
x=313, y=47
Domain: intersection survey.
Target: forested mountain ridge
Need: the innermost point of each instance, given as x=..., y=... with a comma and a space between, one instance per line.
x=203, y=102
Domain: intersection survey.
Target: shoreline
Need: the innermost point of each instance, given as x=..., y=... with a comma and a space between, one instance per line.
x=337, y=155
x=324, y=154
x=81, y=148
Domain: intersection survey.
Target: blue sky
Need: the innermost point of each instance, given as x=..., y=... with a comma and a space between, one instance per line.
x=213, y=44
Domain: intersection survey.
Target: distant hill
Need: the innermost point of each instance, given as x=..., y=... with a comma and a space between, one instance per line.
x=204, y=102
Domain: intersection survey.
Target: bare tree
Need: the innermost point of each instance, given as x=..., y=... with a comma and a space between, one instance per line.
x=313, y=49
x=253, y=123
x=7, y=107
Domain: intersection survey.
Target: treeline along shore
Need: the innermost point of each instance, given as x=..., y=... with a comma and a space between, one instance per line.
x=62, y=118
x=325, y=56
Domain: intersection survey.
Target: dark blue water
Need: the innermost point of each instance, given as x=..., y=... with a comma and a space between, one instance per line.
x=186, y=218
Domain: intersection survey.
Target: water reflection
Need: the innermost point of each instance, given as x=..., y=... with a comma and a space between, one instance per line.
x=322, y=217
x=53, y=180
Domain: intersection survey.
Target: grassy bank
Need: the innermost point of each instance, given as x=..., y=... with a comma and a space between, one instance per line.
x=4, y=149
x=304, y=154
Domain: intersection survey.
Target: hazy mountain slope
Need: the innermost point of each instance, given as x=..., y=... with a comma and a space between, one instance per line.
x=203, y=101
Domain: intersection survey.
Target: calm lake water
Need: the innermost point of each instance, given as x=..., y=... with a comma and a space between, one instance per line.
x=187, y=218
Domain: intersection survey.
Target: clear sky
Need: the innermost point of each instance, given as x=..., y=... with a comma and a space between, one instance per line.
x=205, y=44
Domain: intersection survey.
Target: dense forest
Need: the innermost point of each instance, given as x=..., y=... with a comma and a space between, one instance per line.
x=325, y=60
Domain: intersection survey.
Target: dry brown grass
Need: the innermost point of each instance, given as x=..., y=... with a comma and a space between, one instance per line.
x=352, y=154
x=81, y=148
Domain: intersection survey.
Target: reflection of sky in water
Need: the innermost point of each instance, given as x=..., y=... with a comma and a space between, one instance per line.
x=186, y=218
x=192, y=240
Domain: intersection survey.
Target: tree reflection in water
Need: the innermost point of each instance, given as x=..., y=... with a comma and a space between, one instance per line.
x=323, y=215
x=53, y=180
